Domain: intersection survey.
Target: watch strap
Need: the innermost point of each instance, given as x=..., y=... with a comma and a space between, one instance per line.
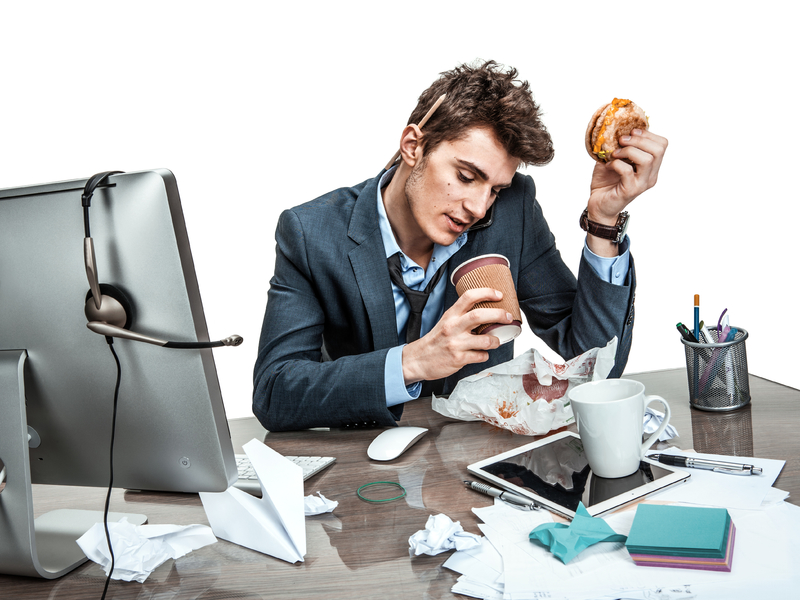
x=607, y=232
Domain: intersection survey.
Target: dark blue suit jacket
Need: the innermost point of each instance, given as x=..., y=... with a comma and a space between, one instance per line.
x=330, y=316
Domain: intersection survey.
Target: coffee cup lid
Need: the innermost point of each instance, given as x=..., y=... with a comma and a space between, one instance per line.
x=484, y=259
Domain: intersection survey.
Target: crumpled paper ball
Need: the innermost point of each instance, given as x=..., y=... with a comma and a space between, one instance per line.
x=140, y=549
x=317, y=506
x=440, y=535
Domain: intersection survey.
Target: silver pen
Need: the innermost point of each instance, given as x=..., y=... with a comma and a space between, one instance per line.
x=507, y=497
x=717, y=466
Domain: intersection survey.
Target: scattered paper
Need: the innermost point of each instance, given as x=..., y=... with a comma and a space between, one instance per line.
x=440, y=535
x=318, y=505
x=140, y=549
x=274, y=524
x=527, y=395
x=567, y=541
x=708, y=488
x=773, y=497
x=652, y=421
x=509, y=567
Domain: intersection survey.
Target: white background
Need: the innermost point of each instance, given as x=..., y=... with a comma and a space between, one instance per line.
x=257, y=107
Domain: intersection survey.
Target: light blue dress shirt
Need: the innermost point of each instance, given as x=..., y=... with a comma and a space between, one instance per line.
x=614, y=270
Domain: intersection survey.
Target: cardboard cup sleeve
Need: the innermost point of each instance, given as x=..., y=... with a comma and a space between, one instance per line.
x=491, y=271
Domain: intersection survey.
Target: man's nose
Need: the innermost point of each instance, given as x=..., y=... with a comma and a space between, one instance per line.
x=479, y=202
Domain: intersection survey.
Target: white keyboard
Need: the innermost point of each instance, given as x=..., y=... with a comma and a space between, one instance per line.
x=248, y=480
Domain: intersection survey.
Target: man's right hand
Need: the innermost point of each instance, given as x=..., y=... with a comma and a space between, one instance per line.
x=450, y=345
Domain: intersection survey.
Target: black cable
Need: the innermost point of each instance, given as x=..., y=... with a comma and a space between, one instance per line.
x=86, y=231
x=111, y=463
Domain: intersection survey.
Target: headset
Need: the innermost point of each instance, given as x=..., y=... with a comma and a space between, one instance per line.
x=108, y=310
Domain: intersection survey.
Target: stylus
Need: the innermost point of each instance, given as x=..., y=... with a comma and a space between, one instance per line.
x=507, y=497
x=717, y=466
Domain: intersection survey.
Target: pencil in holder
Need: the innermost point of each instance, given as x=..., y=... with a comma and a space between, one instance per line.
x=717, y=373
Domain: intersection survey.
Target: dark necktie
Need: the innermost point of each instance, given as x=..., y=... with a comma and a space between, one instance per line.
x=417, y=299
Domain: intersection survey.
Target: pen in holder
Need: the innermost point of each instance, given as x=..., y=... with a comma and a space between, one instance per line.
x=717, y=372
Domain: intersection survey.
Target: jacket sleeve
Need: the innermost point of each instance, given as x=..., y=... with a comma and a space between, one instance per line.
x=295, y=387
x=570, y=316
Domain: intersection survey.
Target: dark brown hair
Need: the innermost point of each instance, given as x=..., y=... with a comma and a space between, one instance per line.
x=485, y=96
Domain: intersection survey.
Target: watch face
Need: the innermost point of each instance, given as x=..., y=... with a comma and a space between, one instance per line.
x=623, y=230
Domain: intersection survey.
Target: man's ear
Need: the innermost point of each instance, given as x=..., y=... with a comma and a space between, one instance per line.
x=411, y=145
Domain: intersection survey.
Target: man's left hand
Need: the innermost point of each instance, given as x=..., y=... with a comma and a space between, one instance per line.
x=617, y=183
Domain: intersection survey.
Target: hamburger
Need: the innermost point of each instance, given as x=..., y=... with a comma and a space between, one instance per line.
x=609, y=123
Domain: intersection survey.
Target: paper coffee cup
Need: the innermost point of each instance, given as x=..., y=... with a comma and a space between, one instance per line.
x=491, y=271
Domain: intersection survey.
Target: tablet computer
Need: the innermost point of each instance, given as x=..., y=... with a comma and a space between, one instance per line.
x=555, y=473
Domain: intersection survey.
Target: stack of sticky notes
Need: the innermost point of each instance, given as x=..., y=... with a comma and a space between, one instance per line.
x=684, y=537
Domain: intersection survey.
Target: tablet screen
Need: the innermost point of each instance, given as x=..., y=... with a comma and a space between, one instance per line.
x=555, y=472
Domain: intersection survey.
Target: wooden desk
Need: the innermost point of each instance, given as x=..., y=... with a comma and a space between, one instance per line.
x=361, y=551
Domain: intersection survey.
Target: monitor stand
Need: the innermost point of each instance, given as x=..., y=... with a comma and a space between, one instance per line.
x=44, y=547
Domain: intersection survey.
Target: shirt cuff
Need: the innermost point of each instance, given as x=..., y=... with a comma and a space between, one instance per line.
x=611, y=269
x=397, y=392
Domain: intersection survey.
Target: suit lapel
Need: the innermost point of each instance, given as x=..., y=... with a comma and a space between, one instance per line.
x=368, y=261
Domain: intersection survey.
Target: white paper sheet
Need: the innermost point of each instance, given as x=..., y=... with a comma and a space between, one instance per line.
x=720, y=489
x=273, y=524
x=764, y=564
x=470, y=587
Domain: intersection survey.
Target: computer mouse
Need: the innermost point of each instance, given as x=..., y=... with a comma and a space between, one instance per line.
x=393, y=442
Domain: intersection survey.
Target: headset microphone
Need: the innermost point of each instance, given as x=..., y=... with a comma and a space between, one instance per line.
x=108, y=309
x=114, y=331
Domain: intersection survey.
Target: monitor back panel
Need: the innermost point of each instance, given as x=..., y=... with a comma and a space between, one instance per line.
x=171, y=427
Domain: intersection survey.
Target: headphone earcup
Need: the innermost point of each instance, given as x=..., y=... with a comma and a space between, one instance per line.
x=115, y=307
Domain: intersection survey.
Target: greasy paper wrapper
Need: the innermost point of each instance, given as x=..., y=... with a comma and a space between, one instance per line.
x=528, y=394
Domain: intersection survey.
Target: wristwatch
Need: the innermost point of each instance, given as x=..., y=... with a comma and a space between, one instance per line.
x=614, y=233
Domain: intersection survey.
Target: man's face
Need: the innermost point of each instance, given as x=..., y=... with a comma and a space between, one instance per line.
x=454, y=186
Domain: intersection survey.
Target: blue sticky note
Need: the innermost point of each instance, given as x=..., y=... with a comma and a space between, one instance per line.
x=679, y=531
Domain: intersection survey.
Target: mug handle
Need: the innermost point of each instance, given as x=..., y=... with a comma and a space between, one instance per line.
x=652, y=439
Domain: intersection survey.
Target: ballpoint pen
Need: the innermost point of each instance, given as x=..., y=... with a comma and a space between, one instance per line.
x=717, y=466
x=507, y=497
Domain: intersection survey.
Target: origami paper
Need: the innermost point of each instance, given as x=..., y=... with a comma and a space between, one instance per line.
x=567, y=541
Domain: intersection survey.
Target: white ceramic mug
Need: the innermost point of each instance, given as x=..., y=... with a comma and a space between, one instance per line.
x=610, y=415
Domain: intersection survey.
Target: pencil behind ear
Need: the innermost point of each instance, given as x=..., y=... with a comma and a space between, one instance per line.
x=419, y=126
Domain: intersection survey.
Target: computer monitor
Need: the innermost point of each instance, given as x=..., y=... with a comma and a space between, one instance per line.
x=57, y=378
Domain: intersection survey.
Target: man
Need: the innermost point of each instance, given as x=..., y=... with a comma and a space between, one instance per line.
x=331, y=350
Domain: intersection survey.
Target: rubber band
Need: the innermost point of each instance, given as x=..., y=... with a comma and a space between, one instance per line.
x=394, y=483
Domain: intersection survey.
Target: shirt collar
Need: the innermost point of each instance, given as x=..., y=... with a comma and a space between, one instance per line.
x=440, y=253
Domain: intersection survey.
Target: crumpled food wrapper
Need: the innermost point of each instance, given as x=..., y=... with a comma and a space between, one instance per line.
x=528, y=394
x=139, y=549
x=314, y=505
x=567, y=541
x=440, y=535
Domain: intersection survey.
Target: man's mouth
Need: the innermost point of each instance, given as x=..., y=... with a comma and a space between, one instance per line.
x=457, y=225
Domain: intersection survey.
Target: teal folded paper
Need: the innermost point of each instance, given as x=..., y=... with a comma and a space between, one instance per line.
x=567, y=541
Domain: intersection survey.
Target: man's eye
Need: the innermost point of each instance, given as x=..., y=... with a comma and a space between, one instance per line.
x=464, y=178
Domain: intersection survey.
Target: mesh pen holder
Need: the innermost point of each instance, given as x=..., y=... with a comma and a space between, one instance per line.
x=718, y=376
